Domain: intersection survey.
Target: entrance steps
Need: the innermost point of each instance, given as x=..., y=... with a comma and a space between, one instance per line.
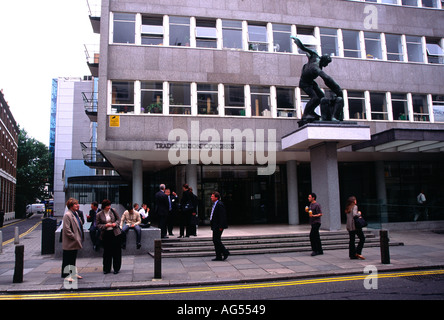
x=261, y=244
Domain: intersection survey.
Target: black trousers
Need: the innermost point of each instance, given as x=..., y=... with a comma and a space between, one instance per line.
x=218, y=245
x=68, y=262
x=352, y=249
x=112, y=251
x=315, y=238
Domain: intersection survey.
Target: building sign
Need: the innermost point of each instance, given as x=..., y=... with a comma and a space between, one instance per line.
x=114, y=121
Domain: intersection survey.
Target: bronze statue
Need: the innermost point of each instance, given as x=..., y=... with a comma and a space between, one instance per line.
x=331, y=109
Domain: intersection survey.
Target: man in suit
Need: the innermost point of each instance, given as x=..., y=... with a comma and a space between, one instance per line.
x=218, y=221
x=162, y=209
x=94, y=232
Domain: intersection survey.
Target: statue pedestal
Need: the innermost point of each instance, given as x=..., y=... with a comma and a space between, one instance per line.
x=323, y=139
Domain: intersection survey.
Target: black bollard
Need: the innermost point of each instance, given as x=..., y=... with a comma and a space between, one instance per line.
x=19, y=265
x=384, y=244
x=157, y=259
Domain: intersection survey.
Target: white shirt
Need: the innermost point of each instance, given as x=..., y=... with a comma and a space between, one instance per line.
x=212, y=210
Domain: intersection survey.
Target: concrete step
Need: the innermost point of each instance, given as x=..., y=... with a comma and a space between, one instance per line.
x=259, y=244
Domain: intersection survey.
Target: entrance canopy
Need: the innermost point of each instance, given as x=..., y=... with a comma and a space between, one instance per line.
x=404, y=140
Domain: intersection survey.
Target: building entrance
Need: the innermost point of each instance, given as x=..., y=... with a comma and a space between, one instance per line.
x=248, y=200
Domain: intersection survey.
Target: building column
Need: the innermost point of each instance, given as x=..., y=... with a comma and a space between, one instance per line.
x=292, y=193
x=191, y=176
x=137, y=182
x=381, y=191
x=325, y=183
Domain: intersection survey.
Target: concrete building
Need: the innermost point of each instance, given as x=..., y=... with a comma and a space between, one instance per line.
x=203, y=92
x=70, y=127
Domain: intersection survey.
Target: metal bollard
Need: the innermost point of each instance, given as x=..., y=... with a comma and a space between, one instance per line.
x=16, y=235
x=384, y=244
x=157, y=259
x=1, y=242
x=18, y=270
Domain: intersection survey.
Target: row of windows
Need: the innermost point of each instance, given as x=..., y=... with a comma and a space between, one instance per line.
x=194, y=32
x=171, y=98
x=438, y=4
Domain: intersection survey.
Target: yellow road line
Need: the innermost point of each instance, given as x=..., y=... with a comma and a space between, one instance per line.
x=24, y=233
x=215, y=288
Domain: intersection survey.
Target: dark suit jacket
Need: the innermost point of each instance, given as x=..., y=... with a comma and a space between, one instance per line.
x=219, y=220
x=162, y=203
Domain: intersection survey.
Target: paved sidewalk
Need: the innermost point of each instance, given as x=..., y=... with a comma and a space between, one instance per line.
x=422, y=249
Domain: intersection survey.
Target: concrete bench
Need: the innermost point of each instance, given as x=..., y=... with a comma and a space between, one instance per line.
x=148, y=236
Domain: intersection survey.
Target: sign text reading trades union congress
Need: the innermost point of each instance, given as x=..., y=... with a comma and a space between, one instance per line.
x=237, y=147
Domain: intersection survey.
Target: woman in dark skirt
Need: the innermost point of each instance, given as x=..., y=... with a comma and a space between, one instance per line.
x=108, y=222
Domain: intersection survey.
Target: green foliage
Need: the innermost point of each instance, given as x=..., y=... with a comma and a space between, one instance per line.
x=33, y=171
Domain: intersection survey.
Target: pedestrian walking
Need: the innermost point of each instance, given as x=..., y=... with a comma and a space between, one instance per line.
x=351, y=210
x=218, y=221
x=72, y=237
x=315, y=213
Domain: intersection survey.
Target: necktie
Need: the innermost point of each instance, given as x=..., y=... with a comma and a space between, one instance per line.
x=78, y=221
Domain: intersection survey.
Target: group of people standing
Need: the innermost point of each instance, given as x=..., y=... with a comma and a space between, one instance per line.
x=167, y=206
x=110, y=227
x=351, y=210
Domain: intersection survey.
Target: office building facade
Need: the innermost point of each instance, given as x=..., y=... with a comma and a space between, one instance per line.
x=203, y=92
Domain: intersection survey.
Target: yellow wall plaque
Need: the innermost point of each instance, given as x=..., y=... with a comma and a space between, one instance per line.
x=114, y=121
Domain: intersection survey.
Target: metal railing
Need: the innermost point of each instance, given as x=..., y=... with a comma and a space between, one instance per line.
x=93, y=157
x=90, y=101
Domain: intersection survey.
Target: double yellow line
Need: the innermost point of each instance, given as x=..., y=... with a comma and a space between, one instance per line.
x=79, y=295
x=23, y=234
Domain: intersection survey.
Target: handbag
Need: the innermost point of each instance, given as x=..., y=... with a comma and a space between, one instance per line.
x=360, y=222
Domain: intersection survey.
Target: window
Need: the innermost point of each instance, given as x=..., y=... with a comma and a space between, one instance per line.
x=180, y=98
x=306, y=35
x=257, y=38
x=356, y=105
x=435, y=54
x=352, y=47
x=430, y=3
x=152, y=30
x=234, y=100
x=232, y=34
x=378, y=105
x=260, y=101
x=285, y=102
x=207, y=101
x=412, y=3
x=329, y=41
x=179, y=31
x=124, y=28
x=281, y=38
x=438, y=107
x=151, y=97
x=373, y=45
x=389, y=1
x=414, y=49
x=122, y=97
x=206, y=35
x=394, y=47
x=400, y=107
x=420, y=108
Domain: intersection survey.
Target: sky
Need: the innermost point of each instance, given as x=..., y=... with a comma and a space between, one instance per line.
x=40, y=40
